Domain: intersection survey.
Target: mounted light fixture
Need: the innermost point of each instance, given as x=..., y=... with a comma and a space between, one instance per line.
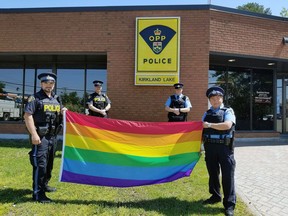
x=285, y=40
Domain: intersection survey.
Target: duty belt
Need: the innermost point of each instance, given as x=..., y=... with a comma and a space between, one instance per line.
x=226, y=141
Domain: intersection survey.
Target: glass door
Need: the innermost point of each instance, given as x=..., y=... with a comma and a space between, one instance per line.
x=282, y=105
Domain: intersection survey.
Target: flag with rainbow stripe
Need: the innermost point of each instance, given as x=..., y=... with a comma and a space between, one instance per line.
x=119, y=153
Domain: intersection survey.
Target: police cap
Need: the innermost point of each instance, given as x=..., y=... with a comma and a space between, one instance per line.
x=178, y=85
x=215, y=90
x=97, y=83
x=44, y=77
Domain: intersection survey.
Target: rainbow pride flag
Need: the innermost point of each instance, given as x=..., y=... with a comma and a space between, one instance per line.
x=118, y=153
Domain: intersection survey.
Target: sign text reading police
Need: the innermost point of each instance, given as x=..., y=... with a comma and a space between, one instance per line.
x=157, y=50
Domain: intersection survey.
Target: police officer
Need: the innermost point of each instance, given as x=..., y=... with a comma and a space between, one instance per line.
x=178, y=105
x=98, y=103
x=218, y=136
x=43, y=121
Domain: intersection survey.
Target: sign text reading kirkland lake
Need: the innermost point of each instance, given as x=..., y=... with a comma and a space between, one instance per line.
x=157, y=51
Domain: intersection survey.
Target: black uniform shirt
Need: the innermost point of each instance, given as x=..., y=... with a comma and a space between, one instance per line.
x=39, y=104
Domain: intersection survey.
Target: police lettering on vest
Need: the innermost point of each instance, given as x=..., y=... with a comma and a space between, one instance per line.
x=47, y=116
x=100, y=101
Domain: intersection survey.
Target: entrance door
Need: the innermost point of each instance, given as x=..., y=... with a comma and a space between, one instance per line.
x=282, y=104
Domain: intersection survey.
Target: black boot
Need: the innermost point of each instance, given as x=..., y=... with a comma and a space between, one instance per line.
x=212, y=200
x=41, y=197
x=229, y=212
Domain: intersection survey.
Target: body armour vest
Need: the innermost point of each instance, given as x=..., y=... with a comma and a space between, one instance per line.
x=217, y=117
x=99, y=101
x=47, y=110
x=180, y=103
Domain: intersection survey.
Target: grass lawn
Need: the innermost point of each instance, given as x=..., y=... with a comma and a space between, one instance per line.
x=181, y=197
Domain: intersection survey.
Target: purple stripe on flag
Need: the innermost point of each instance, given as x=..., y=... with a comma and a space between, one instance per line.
x=111, y=182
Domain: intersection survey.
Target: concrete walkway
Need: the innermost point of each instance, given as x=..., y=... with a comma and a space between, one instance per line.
x=262, y=174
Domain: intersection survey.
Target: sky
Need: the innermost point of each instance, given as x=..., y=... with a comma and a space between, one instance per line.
x=274, y=5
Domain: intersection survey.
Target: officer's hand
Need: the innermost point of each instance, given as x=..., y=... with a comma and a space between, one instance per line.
x=176, y=111
x=103, y=112
x=63, y=110
x=205, y=124
x=35, y=139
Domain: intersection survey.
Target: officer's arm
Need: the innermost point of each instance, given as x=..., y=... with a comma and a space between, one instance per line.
x=29, y=122
x=218, y=126
x=188, y=106
x=174, y=110
x=108, y=107
x=184, y=110
x=94, y=109
x=169, y=109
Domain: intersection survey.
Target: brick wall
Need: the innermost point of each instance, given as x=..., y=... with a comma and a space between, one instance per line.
x=113, y=32
x=240, y=34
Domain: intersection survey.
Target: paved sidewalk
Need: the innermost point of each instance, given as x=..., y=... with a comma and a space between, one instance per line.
x=262, y=175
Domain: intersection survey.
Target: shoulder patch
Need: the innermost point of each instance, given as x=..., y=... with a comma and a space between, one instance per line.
x=31, y=98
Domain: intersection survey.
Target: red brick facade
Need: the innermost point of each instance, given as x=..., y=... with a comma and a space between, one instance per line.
x=255, y=36
x=113, y=32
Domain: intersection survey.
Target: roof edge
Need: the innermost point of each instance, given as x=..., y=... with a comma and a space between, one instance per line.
x=141, y=8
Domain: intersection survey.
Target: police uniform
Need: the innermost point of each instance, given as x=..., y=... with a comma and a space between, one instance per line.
x=100, y=101
x=178, y=101
x=46, y=112
x=219, y=153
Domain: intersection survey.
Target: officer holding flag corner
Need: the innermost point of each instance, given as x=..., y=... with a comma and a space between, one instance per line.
x=218, y=138
x=43, y=120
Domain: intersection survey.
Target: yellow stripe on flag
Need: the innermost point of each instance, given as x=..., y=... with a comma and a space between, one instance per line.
x=130, y=138
x=131, y=149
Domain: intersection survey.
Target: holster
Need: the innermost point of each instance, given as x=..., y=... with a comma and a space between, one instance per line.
x=42, y=130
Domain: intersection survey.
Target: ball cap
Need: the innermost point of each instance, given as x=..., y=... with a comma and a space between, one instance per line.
x=215, y=90
x=178, y=85
x=44, y=77
x=97, y=83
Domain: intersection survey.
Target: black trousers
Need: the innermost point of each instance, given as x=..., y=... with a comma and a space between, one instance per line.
x=221, y=157
x=41, y=159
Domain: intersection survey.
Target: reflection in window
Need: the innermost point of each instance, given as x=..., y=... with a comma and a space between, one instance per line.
x=262, y=100
x=216, y=78
x=70, y=83
x=70, y=86
x=11, y=86
x=237, y=84
x=239, y=96
x=96, y=75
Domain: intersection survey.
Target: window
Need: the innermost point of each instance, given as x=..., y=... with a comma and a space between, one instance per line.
x=249, y=92
x=18, y=74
